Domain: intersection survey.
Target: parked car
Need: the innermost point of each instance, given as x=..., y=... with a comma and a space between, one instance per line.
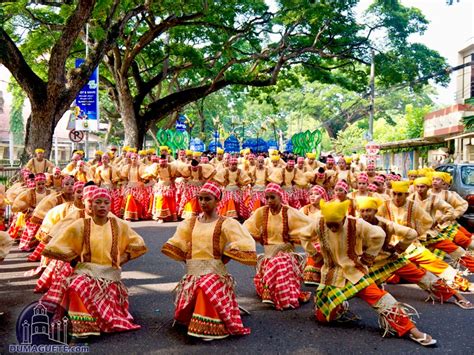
x=463, y=184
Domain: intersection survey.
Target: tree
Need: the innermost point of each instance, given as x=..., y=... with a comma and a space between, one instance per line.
x=163, y=55
x=39, y=60
x=180, y=53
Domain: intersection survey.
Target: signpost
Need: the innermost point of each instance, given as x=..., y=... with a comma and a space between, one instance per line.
x=86, y=110
x=76, y=136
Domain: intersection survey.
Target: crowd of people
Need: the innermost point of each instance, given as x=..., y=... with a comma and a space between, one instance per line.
x=359, y=228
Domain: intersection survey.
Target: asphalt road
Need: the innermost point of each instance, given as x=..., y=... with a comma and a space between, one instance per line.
x=151, y=279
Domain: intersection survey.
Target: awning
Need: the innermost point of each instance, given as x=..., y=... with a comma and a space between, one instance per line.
x=464, y=135
x=415, y=142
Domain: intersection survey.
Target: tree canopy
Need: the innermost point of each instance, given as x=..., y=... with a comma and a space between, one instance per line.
x=160, y=56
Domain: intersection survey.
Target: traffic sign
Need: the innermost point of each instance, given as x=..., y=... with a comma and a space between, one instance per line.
x=76, y=136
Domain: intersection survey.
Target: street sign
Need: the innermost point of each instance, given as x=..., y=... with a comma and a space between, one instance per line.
x=86, y=108
x=76, y=136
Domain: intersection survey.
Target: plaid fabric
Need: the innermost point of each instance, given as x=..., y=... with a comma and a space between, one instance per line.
x=302, y=195
x=54, y=280
x=188, y=193
x=117, y=200
x=447, y=233
x=105, y=301
x=279, y=279
x=254, y=197
x=28, y=240
x=381, y=273
x=36, y=254
x=141, y=197
x=328, y=298
x=290, y=199
x=236, y=197
x=220, y=292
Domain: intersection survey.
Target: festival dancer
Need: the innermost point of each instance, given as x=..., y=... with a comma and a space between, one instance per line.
x=311, y=163
x=54, y=216
x=196, y=175
x=29, y=240
x=233, y=180
x=391, y=260
x=26, y=203
x=164, y=205
x=136, y=195
x=205, y=300
x=312, y=269
x=440, y=184
x=441, y=234
x=285, y=177
x=54, y=181
x=341, y=194
x=259, y=180
x=107, y=176
x=349, y=246
x=279, y=270
x=344, y=172
x=406, y=212
x=94, y=297
x=362, y=184
x=39, y=164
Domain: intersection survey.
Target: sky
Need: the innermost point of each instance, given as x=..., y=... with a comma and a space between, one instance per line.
x=449, y=30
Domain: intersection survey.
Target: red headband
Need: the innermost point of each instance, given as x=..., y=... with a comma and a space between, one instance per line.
x=66, y=179
x=274, y=188
x=372, y=187
x=212, y=188
x=330, y=160
x=371, y=166
x=300, y=160
x=78, y=185
x=291, y=163
x=233, y=161
x=40, y=177
x=101, y=193
x=89, y=191
x=379, y=178
x=363, y=177
x=320, y=191
x=343, y=185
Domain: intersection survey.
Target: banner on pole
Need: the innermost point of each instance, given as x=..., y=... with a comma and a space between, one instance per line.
x=86, y=108
x=180, y=123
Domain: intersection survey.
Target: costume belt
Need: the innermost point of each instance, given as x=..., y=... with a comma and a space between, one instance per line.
x=98, y=271
x=198, y=267
x=273, y=249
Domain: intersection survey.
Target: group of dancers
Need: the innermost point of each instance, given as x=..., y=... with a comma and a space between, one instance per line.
x=358, y=228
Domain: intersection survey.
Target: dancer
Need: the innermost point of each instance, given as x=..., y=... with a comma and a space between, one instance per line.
x=205, y=299
x=349, y=245
x=279, y=271
x=94, y=297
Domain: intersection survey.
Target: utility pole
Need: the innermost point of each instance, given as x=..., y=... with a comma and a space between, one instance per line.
x=372, y=98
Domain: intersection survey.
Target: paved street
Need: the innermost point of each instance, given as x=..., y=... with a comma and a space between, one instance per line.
x=152, y=278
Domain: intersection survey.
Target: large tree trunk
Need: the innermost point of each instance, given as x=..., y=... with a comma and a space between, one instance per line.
x=127, y=111
x=40, y=129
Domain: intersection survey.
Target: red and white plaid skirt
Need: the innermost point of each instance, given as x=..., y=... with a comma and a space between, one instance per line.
x=106, y=301
x=188, y=193
x=220, y=292
x=278, y=280
x=28, y=240
x=52, y=280
x=237, y=200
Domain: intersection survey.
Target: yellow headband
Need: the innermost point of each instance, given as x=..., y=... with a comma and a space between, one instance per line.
x=412, y=172
x=422, y=181
x=348, y=160
x=132, y=150
x=446, y=177
x=311, y=155
x=164, y=147
x=142, y=152
x=220, y=151
x=39, y=150
x=197, y=154
x=334, y=211
x=99, y=152
x=275, y=158
x=150, y=151
x=400, y=186
x=189, y=152
x=367, y=202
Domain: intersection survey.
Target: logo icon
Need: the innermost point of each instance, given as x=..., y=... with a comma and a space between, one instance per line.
x=36, y=326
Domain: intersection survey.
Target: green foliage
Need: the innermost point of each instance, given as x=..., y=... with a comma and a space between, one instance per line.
x=17, y=126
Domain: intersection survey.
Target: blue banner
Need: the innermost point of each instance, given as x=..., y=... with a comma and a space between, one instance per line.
x=180, y=123
x=86, y=108
x=197, y=145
